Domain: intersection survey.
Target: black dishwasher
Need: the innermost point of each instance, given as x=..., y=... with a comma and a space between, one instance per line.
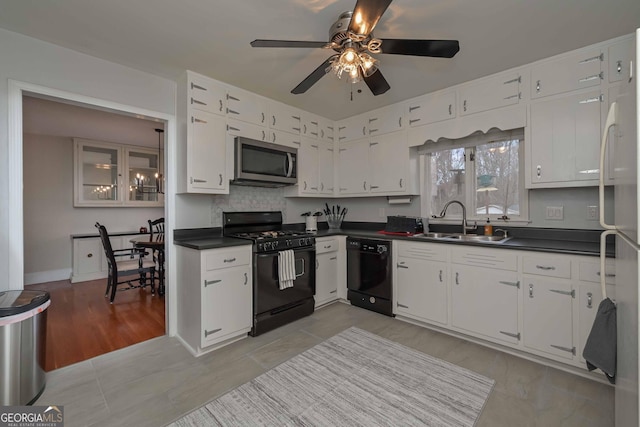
x=369, y=274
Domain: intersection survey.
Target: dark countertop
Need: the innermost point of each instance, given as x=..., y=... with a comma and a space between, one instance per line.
x=576, y=242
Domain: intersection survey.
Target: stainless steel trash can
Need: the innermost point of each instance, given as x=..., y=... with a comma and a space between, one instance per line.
x=23, y=332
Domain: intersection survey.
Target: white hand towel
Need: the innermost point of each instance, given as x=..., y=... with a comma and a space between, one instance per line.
x=286, y=269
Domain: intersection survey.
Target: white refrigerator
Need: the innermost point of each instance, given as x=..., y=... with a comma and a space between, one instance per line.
x=623, y=116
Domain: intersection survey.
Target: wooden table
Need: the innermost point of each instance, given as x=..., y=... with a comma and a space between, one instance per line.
x=157, y=244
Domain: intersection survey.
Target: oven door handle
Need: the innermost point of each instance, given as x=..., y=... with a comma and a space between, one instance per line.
x=272, y=254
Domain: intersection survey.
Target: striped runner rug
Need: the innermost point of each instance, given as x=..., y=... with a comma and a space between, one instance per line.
x=355, y=378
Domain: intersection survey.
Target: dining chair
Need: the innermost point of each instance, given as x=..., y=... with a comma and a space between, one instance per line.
x=124, y=263
x=156, y=230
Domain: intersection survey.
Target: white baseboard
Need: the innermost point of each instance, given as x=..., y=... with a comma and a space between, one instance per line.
x=47, y=276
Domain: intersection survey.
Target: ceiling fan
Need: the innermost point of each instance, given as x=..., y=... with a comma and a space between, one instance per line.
x=351, y=36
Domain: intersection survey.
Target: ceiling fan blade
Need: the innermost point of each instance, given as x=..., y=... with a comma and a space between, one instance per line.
x=286, y=43
x=312, y=78
x=435, y=48
x=377, y=83
x=366, y=15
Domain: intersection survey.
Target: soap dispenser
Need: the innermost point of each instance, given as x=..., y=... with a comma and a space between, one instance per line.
x=488, y=228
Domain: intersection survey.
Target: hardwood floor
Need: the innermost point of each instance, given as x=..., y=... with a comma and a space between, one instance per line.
x=81, y=323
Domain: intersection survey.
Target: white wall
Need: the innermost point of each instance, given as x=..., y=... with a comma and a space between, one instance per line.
x=32, y=61
x=49, y=215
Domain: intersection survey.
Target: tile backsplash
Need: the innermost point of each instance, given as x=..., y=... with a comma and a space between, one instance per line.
x=244, y=198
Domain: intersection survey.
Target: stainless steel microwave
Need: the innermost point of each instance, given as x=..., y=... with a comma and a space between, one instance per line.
x=264, y=164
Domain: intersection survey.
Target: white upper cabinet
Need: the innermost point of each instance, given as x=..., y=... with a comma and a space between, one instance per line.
x=619, y=56
x=431, y=108
x=389, y=163
x=309, y=125
x=206, y=146
x=308, y=161
x=567, y=73
x=246, y=106
x=248, y=130
x=492, y=92
x=284, y=138
x=284, y=117
x=206, y=94
x=385, y=120
x=325, y=168
x=353, y=128
x=354, y=167
x=326, y=130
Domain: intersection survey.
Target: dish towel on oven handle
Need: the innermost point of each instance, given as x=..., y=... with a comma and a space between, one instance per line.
x=286, y=269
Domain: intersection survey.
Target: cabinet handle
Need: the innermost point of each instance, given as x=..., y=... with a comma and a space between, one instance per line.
x=330, y=128
x=414, y=108
x=262, y=121
x=273, y=120
x=400, y=265
x=599, y=98
x=450, y=107
x=364, y=185
x=313, y=188
x=571, y=293
x=230, y=259
x=514, y=284
x=341, y=127
x=538, y=86
x=512, y=96
x=322, y=186
x=589, y=300
x=371, y=144
x=457, y=279
x=195, y=86
x=220, y=105
x=305, y=129
x=220, y=183
x=400, y=182
x=571, y=350
x=333, y=292
x=364, y=130
x=197, y=180
x=372, y=130
x=296, y=129
x=511, y=334
x=373, y=119
x=530, y=290
x=343, y=189
x=89, y=255
x=440, y=276
x=274, y=136
x=230, y=111
x=195, y=101
x=333, y=258
x=340, y=138
x=322, y=133
x=517, y=79
x=246, y=278
x=305, y=185
x=539, y=171
x=232, y=128
x=619, y=67
x=194, y=120
x=600, y=76
x=412, y=121
x=373, y=186
x=464, y=105
x=402, y=305
x=545, y=267
x=207, y=333
x=399, y=122
x=313, y=145
x=295, y=142
x=211, y=282
x=233, y=98
x=264, y=135
x=607, y=274
x=593, y=58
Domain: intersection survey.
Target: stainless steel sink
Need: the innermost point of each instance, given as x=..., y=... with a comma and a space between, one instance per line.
x=461, y=237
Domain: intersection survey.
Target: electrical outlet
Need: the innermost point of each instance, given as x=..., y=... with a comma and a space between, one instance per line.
x=593, y=213
x=381, y=213
x=555, y=213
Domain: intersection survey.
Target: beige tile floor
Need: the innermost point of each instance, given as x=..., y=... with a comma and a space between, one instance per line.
x=155, y=382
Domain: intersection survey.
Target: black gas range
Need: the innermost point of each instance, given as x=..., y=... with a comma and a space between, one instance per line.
x=273, y=305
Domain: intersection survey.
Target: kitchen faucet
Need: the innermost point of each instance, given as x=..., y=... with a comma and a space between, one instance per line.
x=465, y=227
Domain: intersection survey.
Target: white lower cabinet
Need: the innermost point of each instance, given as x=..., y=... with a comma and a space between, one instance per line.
x=485, y=301
x=215, y=297
x=327, y=251
x=89, y=259
x=421, y=278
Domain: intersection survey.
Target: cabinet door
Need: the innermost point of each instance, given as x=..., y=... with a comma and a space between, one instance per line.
x=565, y=138
x=309, y=125
x=206, y=95
x=353, y=128
x=207, y=152
x=490, y=93
x=248, y=130
x=619, y=56
x=389, y=161
x=566, y=73
x=144, y=177
x=326, y=277
x=548, y=316
x=285, y=138
x=225, y=304
x=385, y=120
x=432, y=108
x=485, y=301
x=422, y=289
x=98, y=174
x=246, y=106
x=87, y=257
x=284, y=118
x=354, y=167
x=325, y=168
x=326, y=130
x=308, y=166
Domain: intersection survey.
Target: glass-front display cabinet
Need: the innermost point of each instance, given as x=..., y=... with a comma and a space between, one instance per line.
x=108, y=174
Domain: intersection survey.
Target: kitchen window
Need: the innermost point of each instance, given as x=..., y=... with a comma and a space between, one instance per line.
x=484, y=171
